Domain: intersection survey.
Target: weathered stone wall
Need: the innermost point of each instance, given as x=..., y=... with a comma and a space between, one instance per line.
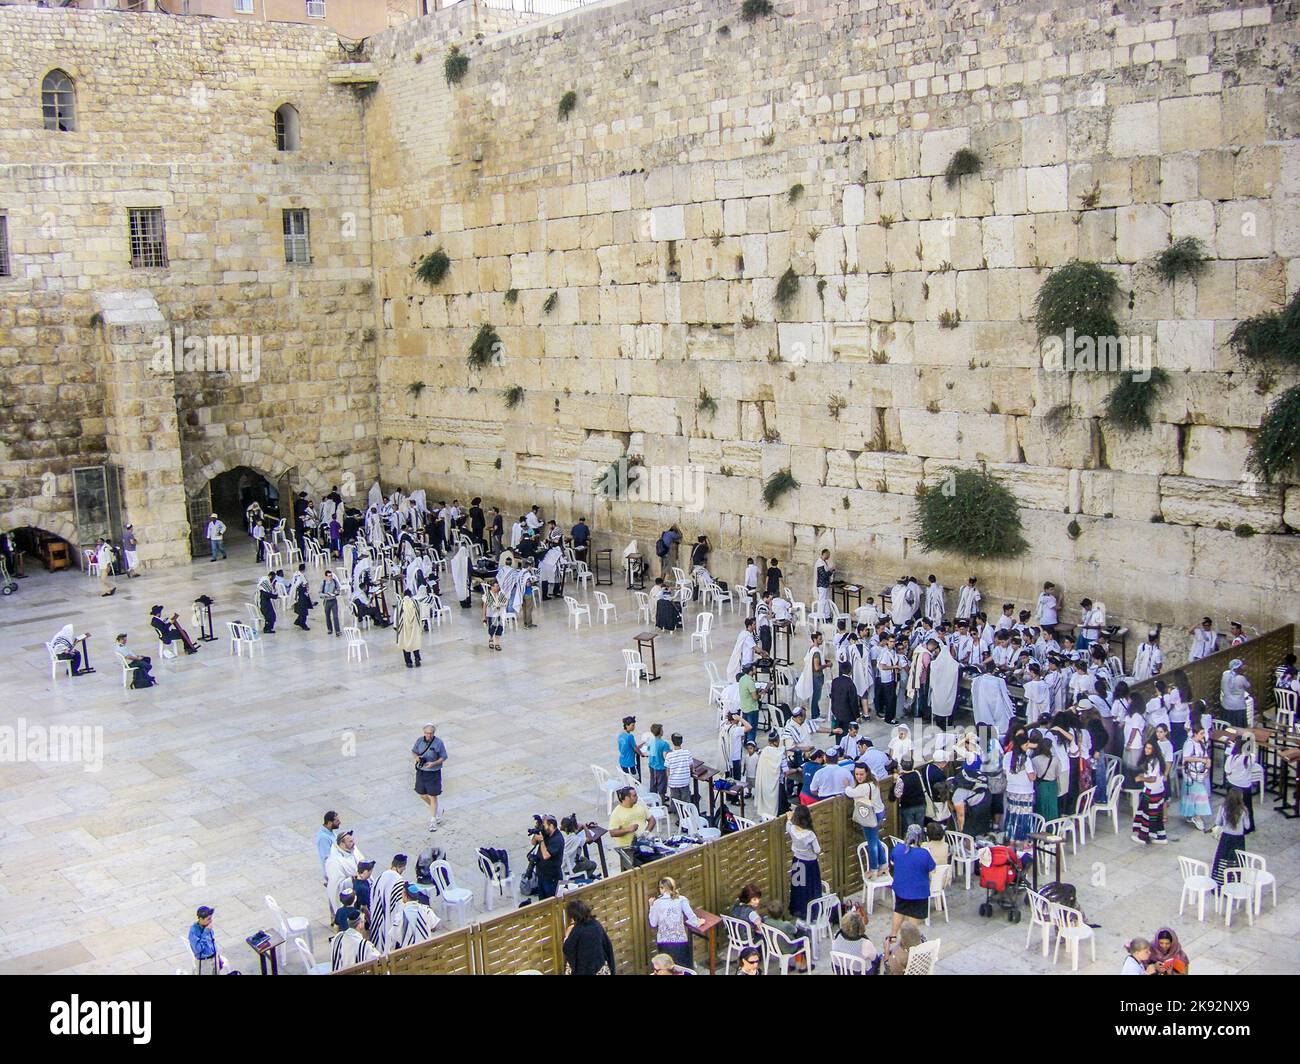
x=661, y=215
x=178, y=113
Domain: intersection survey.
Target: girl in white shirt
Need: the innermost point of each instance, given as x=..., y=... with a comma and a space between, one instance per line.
x=1019, y=798
x=805, y=872
x=1238, y=771
x=669, y=915
x=1149, y=820
x=1196, y=779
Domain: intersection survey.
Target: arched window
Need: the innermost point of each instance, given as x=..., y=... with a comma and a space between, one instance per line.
x=286, y=128
x=59, y=102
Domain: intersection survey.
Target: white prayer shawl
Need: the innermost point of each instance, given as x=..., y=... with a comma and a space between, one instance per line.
x=1047, y=608
x=408, y=627
x=375, y=497
x=934, y=607
x=1147, y=662
x=944, y=674
x=867, y=615
x=1203, y=644
x=803, y=687
x=363, y=567
x=460, y=573
x=511, y=581
x=991, y=701
x=348, y=948
x=631, y=551
x=418, y=922
x=767, y=782
x=861, y=663
x=730, y=699
x=340, y=865
x=1038, y=699
x=900, y=744
x=968, y=602
x=549, y=570
x=902, y=603
x=741, y=654
x=381, y=912
x=914, y=672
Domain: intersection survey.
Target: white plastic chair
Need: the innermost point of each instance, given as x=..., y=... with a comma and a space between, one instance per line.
x=1040, y=915
x=716, y=686
x=1082, y=815
x=703, y=626
x=847, y=964
x=633, y=667
x=962, y=852
x=817, y=923
x=455, y=900
x=1197, y=883
x=940, y=879
x=290, y=926
x=582, y=574
x=165, y=651
x=1110, y=805
x=439, y=611
x=744, y=822
x=255, y=620
x=55, y=662
x=496, y=883
x=310, y=967
x=604, y=607
x=1072, y=929
x=352, y=636
x=740, y=936
x=782, y=949
x=642, y=607
x=274, y=560
x=871, y=886
x=577, y=611
x=691, y=823
x=126, y=675
x=921, y=959
x=1236, y=888
x=605, y=785
x=1258, y=875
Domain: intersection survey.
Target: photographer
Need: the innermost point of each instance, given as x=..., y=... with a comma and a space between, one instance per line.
x=549, y=843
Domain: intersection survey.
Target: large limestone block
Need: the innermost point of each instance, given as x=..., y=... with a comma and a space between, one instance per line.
x=884, y=471
x=1152, y=451
x=1141, y=230
x=930, y=435
x=1188, y=123
x=1216, y=453
x=1214, y=503
x=652, y=414
x=1061, y=440
x=1264, y=562
x=1037, y=487
x=1245, y=230
x=987, y=438
x=1291, y=511
x=1046, y=188
x=1132, y=496
x=938, y=146
x=1135, y=129
x=1185, y=345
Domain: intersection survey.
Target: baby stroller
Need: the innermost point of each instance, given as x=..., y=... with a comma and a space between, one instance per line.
x=1002, y=875
x=8, y=585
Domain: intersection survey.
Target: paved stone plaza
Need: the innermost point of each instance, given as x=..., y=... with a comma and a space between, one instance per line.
x=213, y=783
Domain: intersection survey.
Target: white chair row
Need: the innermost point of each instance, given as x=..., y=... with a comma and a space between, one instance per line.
x=1242, y=885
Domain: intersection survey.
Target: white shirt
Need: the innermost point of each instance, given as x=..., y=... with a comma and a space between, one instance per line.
x=516, y=534
x=751, y=576
x=1046, y=608
x=803, y=843
x=534, y=522
x=1018, y=782
x=216, y=529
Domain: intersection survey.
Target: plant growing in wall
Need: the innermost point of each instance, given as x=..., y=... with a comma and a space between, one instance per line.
x=485, y=347
x=512, y=296
x=778, y=484
x=1276, y=448
x=1271, y=337
x=455, y=66
x=796, y=191
x=433, y=268
x=837, y=405
x=786, y=288
x=415, y=388
x=949, y=319
x=1128, y=406
x=1074, y=530
x=567, y=103
x=970, y=514
x=752, y=10
x=963, y=162
x=514, y=395
x=1078, y=296
x=1183, y=258
x=706, y=404
x=552, y=301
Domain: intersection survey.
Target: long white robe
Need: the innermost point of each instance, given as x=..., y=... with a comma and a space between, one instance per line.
x=991, y=701
x=1149, y=656
x=767, y=782
x=902, y=604
x=348, y=948
x=934, y=607
x=742, y=652
x=861, y=662
x=340, y=865
x=803, y=687
x=968, y=602
x=944, y=674
x=460, y=573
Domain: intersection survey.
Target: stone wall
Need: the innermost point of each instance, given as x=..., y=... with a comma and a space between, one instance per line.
x=178, y=114
x=661, y=215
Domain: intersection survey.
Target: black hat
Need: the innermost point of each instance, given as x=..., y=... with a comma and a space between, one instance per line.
x=204, y=911
x=628, y=720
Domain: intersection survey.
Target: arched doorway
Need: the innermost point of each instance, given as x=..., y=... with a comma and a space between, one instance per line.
x=229, y=495
x=29, y=549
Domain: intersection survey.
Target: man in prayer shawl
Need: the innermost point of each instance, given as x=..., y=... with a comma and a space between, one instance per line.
x=350, y=946
x=902, y=602
x=767, y=779
x=859, y=658
x=743, y=651
x=389, y=884
x=944, y=674
x=549, y=573
x=363, y=607
x=918, y=677
x=934, y=606
x=266, y=602
x=413, y=920
x=808, y=688
x=409, y=630
x=65, y=649
x=824, y=573
x=341, y=863
x=991, y=701
x=1150, y=658
x=459, y=566
x=868, y=614
x=1038, y=695
x=968, y=602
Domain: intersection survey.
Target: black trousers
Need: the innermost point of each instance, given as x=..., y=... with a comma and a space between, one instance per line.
x=268, y=613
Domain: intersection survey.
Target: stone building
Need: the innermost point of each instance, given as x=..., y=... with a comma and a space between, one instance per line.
x=618, y=192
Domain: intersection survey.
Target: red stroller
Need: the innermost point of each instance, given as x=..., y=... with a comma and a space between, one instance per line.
x=1002, y=875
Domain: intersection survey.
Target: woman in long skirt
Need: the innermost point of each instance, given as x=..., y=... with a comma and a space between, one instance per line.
x=1149, y=820
x=1195, y=804
x=1018, y=803
x=1230, y=826
x=805, y=871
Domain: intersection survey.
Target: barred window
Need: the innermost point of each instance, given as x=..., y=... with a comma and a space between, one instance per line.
x=4, y=246
x=315, y=8
x=297, y=237
x=286, y=127
x=59, y=102
x=243, y=7
x=148, y=238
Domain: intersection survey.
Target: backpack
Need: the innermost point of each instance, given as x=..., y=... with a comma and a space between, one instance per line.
x=661, y=548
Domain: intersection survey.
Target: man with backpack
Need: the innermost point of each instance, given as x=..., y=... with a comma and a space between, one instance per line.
x=666, y=549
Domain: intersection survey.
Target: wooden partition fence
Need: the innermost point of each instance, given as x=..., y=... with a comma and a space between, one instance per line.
x=709, y=876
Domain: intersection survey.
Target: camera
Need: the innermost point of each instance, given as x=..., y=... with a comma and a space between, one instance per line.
x=536, y=829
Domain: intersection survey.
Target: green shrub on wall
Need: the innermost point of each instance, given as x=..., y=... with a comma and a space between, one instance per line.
x=1275, y=451
x=485, y=346
x=1078, y=296
x=433, y=268
x=1129, y=404
x=752, y=10
x=971, y=514
x=778, y=484
x=1183, y=258
x=455, y=66
x=963, y=162
x=1271, y=337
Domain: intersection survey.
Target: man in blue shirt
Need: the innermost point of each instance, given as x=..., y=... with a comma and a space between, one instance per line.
x=325, y=839
x=629, y=753
x=655, y=754
x=666, y=549
x=581, y=535
x=202, y=943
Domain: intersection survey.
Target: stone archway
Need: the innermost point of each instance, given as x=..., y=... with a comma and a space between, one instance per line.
x=52, y=523
x=267, y=457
